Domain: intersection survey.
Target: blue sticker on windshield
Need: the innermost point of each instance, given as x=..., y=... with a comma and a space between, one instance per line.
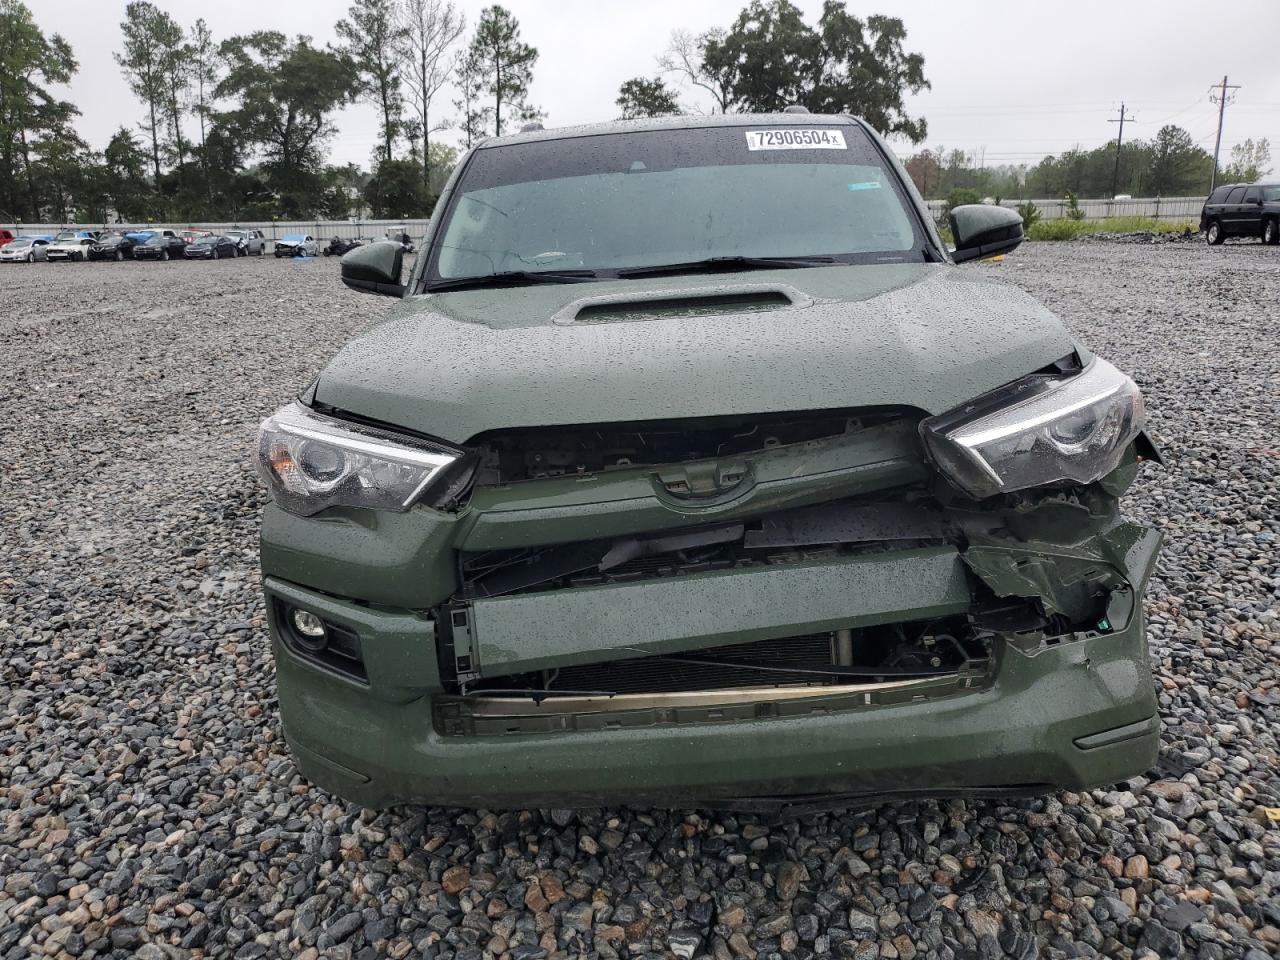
x=867, y=185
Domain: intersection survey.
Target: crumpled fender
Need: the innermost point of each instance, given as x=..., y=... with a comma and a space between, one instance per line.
x=1069, y=579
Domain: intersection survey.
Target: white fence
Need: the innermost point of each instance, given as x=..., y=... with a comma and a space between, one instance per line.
x=1160, y=208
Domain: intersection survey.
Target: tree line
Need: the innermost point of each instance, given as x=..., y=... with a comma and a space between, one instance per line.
x=238, y=128
x=1170, y=165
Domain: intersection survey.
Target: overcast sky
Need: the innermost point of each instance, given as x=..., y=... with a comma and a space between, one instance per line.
x=1014, y=79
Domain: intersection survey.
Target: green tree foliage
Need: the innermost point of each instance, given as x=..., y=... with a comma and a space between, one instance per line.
x=1171, y=165
x=1250, y=161
x=639, y=97
x=284, y=94
x=396, y=190
x=475, y=115
x=429, y=31
x=127, y=190
x=33, y=122
x=770, y=58
x=503, y=65
x=151, y=63
x=371, y=37
x=1177, y=167
x=203, y=72
x=962, y=196
x=684, y=58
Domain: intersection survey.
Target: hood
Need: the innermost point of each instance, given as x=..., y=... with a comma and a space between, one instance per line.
x=929, y=336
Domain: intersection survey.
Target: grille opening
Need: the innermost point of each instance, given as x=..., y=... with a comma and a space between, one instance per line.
x=890, y=652
x=511, y=456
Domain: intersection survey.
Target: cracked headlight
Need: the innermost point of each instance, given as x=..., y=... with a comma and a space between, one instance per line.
x=1046, y=428
x=311, y=462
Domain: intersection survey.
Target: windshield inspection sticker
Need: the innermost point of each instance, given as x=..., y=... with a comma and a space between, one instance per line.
x=817, y=139
x=865, y=185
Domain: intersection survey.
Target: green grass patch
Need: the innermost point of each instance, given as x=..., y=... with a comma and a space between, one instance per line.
x=1070, y=229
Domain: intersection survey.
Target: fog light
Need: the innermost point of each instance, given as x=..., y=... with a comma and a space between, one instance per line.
x=308, y=625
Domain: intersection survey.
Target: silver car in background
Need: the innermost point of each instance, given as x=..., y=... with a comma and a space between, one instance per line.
x=25, y=250
x=248, y=242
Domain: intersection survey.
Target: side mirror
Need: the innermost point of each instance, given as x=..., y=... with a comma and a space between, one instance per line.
x=984, y=230
x=374, y=269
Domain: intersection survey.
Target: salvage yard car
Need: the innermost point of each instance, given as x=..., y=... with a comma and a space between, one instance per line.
x=297, y=245
x=74, y=247
x=25, y=250
x=249, y=242
x=212, y=247
x=160, y=246
x=690, y=469
x=116, y=245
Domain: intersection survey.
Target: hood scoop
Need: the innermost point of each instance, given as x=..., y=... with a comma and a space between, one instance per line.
x=662, y=304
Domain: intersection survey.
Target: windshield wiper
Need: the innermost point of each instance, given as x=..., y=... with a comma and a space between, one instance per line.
x=512, y=278
x=726, y=265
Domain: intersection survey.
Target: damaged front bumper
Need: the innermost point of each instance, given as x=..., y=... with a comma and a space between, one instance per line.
x=816, y=620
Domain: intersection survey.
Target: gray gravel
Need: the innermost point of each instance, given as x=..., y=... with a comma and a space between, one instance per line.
x=148, y=807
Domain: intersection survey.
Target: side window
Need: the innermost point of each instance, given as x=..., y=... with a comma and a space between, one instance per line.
x=1251, y=195
x=1236, y=195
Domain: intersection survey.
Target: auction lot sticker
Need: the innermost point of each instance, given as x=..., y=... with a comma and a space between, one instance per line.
x=788, y=139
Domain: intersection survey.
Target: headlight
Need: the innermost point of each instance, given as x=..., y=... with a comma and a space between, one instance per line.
x=1044, y=429
x=312, y=462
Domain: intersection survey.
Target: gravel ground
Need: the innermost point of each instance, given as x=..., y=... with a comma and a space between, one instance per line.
x=148, y=807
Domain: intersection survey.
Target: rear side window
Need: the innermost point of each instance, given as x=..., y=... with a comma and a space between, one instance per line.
x=1236, y=195
x=1219, y=195
x=1251, y=195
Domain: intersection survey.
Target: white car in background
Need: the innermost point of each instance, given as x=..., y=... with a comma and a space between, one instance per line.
x=297, y=245
x=71, y=246
x=25, y=250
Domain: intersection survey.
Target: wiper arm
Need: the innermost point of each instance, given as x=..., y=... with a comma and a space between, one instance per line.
x=512, y=278
x=726, y=265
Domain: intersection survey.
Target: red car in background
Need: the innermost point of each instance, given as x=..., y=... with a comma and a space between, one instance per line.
x=5, y=236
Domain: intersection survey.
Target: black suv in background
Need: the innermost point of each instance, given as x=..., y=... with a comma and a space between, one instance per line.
x=1242, y=210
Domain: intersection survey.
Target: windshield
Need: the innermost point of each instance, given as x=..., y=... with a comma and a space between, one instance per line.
x=64, y=236
x=1271, y=194
x=20, y=242
x=648, y=198
x=155, y=241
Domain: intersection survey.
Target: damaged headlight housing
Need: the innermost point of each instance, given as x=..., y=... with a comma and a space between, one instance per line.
x=1044, y=429
x=312, y=462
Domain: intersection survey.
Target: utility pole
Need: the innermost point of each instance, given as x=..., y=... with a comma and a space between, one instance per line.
x=1220, y=99
x=1115, y=176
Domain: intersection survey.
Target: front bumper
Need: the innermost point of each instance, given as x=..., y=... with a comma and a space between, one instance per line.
x=1073, y=714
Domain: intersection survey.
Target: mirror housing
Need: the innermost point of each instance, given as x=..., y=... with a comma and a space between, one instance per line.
x=984, y=230
x=374, y=268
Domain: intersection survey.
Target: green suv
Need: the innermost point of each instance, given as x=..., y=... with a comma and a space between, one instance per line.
x=690, y=469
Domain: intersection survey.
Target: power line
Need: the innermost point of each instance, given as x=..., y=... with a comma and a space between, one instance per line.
x=1221, y=100
x=1115, y=175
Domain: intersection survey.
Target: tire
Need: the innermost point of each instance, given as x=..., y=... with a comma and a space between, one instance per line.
x=1271, y=232
x=1213, y=234
x=119, y=256
x=31, y=258
x=164, y=254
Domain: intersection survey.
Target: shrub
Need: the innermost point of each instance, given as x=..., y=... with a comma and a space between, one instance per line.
x=1030, y=214
x=959, y=197
x=1073, y=207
